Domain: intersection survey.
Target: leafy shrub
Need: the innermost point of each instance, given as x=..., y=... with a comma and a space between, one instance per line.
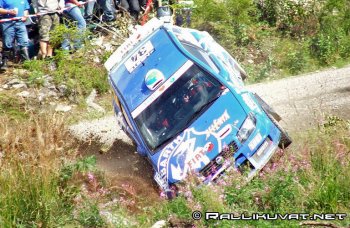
x=295, y=61
x=295, y=18
x=76, y=70
x=89, y=216
x=322, y=48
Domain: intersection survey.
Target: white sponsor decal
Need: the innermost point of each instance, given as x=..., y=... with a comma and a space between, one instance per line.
x=215, y=126
x=250, y=102
x=188, y=156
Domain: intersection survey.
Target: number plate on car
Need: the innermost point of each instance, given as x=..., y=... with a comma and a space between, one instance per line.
x=138, y=57
x=160, y=181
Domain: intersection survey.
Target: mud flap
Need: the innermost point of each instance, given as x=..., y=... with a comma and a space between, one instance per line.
x=267, y=108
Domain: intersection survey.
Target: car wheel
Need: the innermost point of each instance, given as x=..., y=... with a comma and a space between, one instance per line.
x=172, y=193
x=285, y=140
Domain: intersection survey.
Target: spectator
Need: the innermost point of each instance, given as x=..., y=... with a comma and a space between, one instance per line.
x=107, y=7
x=47, y=22
x=133, y=6
x=74, y=12
x=14, y=29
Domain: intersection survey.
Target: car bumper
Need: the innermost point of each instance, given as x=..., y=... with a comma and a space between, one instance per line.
x=256, y=160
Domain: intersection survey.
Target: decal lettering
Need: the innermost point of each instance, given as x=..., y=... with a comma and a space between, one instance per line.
x=183, y=155
x=215, y=126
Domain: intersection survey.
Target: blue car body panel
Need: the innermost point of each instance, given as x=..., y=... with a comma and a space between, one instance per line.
x=132, y=85
x=209, y=145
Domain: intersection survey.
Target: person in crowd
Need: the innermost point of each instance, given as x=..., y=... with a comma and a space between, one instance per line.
x=72, y=9
x=107, y=8
x=49, y=11
x=184, y=13
x=14, y=29
x=133, y=6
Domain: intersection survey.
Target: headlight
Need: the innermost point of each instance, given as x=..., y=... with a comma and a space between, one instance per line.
x=247, y=128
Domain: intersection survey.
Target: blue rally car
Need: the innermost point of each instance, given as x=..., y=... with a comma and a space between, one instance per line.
x=180, y=97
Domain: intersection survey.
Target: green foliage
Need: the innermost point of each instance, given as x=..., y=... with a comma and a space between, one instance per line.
x=67, y=31
x=319, y=31
x=83, y=165
x=267, y=11
x=210, y=10
x=295, y=61
x=30, y=198
x=35, y=71
x=79, y=74
x=177, y=207
x=11, y=107
x=76, y=70
x=230, y=19
x=89, y=216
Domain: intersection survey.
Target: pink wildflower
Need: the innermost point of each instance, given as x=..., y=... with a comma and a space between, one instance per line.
x=91, y=177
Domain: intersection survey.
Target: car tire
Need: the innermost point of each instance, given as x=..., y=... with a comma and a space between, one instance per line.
x=285, y=140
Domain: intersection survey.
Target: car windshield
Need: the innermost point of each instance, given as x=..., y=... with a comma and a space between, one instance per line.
x=178, y=107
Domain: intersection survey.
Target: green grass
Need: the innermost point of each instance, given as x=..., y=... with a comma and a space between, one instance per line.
x=12, y=107
x=39, y=177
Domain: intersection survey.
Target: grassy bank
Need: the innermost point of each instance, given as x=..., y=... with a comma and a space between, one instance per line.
x=312, y=177
x=40, y=182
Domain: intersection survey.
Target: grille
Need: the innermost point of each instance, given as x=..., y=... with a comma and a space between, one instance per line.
x=227, y=153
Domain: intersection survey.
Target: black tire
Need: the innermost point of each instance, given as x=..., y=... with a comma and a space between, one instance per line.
x=285, y=140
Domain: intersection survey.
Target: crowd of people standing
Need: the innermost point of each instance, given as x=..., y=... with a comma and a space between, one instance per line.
x=14, y=16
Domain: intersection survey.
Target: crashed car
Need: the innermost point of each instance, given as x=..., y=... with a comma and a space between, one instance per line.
x=180, y=97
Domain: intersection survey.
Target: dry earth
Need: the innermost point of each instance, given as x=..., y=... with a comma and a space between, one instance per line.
x=300, y=100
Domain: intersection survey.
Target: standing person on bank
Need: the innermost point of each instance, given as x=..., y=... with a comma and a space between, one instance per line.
x=73, y=11
x=14, y=29
x=49, y=19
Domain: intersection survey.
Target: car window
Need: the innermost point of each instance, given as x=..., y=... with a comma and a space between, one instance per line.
x=175, y=109
x=126, y=118
x=116, y=100
x=201, y=55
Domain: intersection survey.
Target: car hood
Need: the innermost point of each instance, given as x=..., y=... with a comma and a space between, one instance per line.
x=202, y=141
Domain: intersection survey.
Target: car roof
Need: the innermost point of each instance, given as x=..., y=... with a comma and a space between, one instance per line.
x=166, y=57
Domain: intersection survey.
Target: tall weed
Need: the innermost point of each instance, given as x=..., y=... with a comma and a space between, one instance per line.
x=31, y=154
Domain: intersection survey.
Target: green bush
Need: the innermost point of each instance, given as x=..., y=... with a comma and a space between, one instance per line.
x=295, y=61
x=89, y=216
